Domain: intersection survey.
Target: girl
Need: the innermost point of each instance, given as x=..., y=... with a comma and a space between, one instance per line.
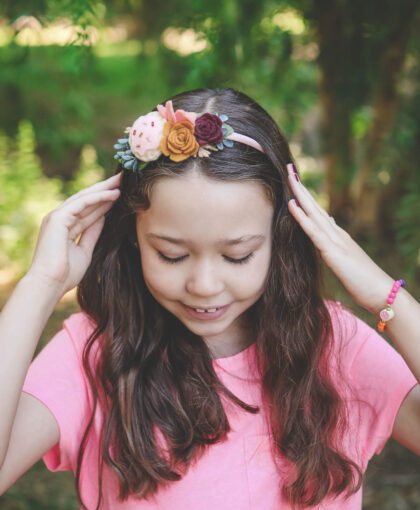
x=205, y=369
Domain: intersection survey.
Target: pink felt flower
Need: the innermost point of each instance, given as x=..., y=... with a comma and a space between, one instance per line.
x=145, y=136
x=170, y=115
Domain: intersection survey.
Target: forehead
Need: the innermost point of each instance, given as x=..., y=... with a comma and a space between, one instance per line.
x=195, y=207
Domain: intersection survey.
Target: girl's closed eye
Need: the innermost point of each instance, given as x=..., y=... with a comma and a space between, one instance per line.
x=232, y=260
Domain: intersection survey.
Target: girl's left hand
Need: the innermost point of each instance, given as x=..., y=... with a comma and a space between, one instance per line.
x=365, y=281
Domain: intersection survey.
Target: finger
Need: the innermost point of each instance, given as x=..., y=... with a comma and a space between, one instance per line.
x=310, y=205
x=90, y=237
x=304, y=196
x=110, y=183
x=90, y=209
x=89, y=219
x=69, y=212
x=316, y=233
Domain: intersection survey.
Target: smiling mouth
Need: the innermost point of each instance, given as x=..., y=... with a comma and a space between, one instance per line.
x=210, y=309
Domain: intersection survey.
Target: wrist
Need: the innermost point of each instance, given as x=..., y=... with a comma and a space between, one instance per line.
x=47, y=290
x=379, y=296
x=385, y=311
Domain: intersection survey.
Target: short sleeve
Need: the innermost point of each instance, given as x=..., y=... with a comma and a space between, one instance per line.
x=382, y=380
x=55, y=377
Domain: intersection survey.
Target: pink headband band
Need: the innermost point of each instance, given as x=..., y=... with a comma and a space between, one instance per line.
x=236, y=137
x=178, y=135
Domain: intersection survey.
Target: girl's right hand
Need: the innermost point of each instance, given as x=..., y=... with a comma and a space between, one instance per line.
x=58, y=260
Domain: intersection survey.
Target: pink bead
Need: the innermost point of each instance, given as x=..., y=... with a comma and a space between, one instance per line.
x=390, y=300
x=393, y=294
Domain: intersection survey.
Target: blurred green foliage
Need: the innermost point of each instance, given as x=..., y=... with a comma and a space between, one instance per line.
x=27, y=195
x=125, y=57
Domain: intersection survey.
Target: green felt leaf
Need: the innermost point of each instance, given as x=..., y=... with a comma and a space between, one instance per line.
x=228, y=128
x=141, y=165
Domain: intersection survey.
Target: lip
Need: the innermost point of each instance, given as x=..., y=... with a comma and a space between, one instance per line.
x=206, y=315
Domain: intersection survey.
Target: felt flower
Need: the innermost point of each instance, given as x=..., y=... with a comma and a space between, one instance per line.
x=208, y=129
x=178, y=140
x=145, y=135
x=168, y=113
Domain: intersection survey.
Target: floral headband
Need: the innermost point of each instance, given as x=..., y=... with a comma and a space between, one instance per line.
x=178, y=135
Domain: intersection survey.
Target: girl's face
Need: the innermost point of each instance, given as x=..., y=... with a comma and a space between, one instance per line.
x=206, y=245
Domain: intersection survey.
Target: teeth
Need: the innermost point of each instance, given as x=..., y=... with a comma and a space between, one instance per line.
x=202, y=311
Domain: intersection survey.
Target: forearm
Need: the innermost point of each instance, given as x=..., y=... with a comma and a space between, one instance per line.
x=22, y=321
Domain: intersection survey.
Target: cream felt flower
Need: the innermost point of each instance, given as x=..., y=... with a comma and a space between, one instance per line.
x=145, y=135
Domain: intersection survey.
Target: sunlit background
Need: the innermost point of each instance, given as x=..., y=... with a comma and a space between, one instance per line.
x=340, y=77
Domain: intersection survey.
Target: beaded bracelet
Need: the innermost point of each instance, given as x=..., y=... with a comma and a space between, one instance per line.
x=387, y=313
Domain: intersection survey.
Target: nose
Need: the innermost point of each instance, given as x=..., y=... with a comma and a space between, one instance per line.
x=204, y=280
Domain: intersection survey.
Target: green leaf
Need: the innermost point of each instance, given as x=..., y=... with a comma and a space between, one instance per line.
x=229, y=129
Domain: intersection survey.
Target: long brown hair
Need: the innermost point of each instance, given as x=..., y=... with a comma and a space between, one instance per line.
x=153, y=373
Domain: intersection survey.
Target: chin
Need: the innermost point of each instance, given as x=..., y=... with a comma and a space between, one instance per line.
x=205, y=329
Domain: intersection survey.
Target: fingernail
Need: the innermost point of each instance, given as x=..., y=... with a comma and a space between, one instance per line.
x=291, y=169
x=296, y=202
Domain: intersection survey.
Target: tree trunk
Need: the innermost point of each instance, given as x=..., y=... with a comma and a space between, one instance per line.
x=385, y=103
x=336, y=107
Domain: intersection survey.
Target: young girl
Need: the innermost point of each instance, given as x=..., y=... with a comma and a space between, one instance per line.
x=205, y=369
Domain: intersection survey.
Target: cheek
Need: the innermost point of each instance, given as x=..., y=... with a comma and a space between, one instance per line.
x=251, y=280
x=160, y=278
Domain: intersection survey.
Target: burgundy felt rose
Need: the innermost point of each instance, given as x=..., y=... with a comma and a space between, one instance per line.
x=208, y=129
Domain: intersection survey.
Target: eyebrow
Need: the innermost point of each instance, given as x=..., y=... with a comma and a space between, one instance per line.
x=228, y=242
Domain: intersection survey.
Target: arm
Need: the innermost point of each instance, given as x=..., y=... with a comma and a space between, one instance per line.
x=369, y=286
x=21, y=323
x=58, y=265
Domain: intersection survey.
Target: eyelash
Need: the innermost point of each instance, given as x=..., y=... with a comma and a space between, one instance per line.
x=243, y=260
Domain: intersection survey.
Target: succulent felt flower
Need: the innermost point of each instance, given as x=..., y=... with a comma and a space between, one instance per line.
x=208, y=129
x=178, y=140
x=145, y=135
x=170, y=115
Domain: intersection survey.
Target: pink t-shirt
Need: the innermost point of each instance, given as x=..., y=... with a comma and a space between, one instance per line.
x=239, y=473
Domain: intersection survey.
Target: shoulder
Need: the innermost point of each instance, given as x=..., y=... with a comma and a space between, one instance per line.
x=79, y=327
x=364, y=354
x=348, y=330
x=354, y=341
x=79, y=324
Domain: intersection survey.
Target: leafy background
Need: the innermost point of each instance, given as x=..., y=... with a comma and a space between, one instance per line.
x=340, y=77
